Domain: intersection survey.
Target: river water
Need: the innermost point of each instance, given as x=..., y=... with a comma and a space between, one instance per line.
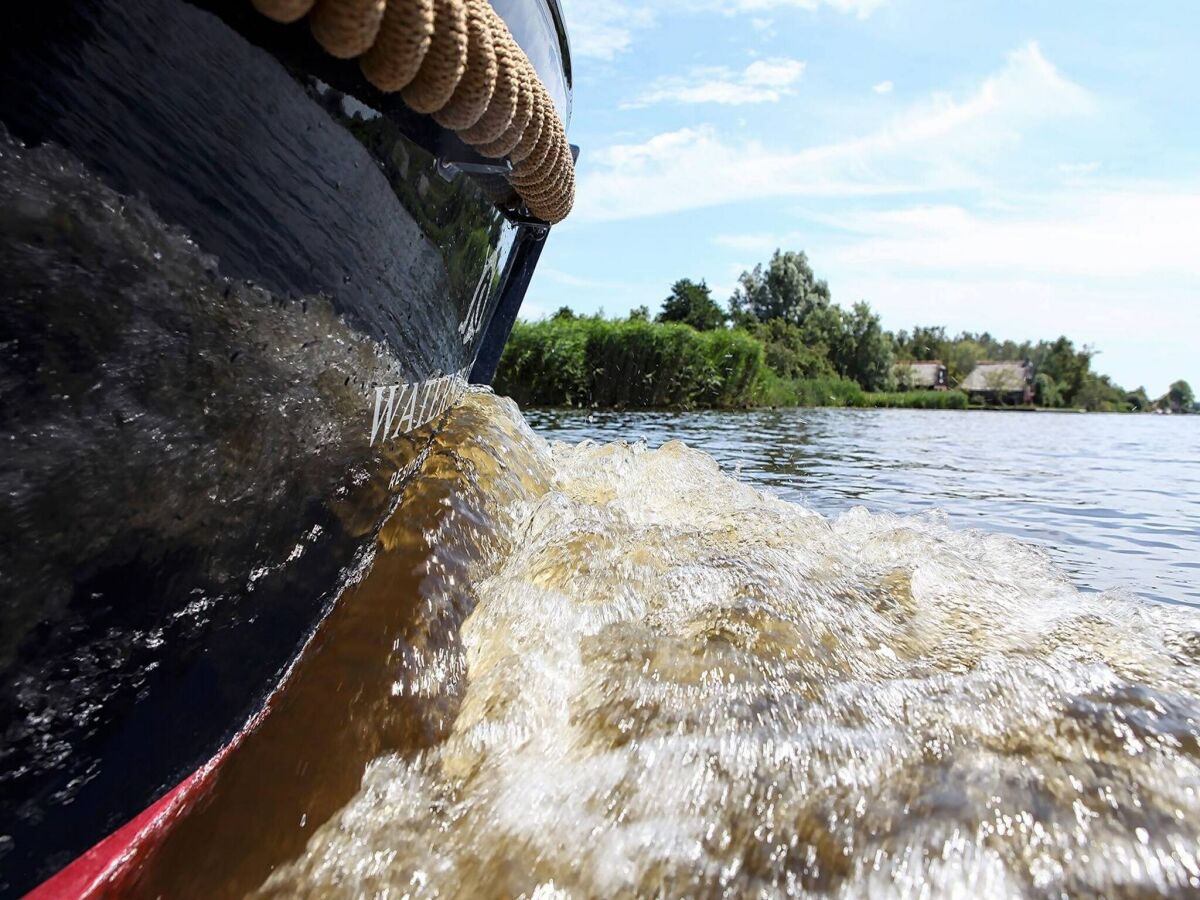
x=1115, y=500
x=614, y=669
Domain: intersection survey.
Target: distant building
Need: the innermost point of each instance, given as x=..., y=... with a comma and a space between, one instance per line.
x=920, y=375
x=1000, y=382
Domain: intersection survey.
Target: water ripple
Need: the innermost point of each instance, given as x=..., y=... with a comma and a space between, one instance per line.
x=1088, y=488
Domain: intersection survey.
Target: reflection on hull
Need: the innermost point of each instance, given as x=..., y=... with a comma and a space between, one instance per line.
x=138, y=615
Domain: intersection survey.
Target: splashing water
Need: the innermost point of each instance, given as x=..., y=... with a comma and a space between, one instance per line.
x=641, y=676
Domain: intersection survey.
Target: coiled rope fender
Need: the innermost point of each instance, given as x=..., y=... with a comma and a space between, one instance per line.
x=457, y=61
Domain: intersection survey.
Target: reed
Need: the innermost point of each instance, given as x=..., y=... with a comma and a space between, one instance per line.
x=916, y=400
x=629, y=363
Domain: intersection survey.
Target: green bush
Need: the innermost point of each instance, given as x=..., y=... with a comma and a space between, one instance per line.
x=915, y=400
x=834, y=391
x=830, y=390
x=628, y=363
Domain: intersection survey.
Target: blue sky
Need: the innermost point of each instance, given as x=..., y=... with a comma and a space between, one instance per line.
x=1026, y=168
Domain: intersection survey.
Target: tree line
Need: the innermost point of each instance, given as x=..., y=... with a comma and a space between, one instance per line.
x=807, y=336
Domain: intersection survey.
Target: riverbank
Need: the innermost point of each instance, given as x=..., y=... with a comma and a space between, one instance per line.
x=638, y=364
x=783, y=342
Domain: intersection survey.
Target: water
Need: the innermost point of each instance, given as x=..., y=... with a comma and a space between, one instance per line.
x=615, y=670
x=1115, y=500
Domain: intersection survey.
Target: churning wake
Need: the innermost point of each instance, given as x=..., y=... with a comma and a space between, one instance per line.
x=653, y=679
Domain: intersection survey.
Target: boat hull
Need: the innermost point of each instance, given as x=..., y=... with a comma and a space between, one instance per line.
x=240, y=288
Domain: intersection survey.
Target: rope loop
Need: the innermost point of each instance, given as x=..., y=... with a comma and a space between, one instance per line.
x=522, y=116
x=445, y=62
x=474, y=92
x=404, y=38
x=346, y=28
x=503, y=104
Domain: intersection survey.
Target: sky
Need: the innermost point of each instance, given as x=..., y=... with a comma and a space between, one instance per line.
x=1025, y=167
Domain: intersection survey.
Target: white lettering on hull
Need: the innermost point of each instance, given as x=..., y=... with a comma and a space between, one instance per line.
x=473, y=323
x=400, y=408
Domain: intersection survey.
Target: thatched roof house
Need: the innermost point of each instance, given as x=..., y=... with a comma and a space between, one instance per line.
x=1000, y=382
x=920, y=375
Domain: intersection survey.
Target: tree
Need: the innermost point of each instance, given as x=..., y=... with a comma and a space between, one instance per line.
x=925, y=343
x=787, y=353
x=786, y=290
x=999, y=381
x=1138, y=400
x=563, y=314
x=906, y=376
x=961, y=357
x=639, y=314
x=1046, y=392
x=864, y=350
x=1100, y=394
x=1068, y=367
x=1180, y=397
x=823, y=332
x=692, y=304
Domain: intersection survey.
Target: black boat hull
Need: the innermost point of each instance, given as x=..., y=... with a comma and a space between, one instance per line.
x=223, y=256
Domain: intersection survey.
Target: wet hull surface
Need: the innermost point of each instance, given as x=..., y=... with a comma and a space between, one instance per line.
x=211, y=259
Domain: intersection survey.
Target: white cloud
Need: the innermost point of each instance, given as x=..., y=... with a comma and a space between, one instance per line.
x=533, y=312
x=884, y=87
x=1111, y=265
x=859, y=8
x=1101, y=232
x=602, y=29
x=1087, y=168
x=763, y=81
x=941, y=144
x=567, y=279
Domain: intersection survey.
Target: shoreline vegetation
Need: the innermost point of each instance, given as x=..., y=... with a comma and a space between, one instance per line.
x=782, y=342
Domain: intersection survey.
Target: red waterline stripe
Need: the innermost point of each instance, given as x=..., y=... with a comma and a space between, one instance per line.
x=106, y=866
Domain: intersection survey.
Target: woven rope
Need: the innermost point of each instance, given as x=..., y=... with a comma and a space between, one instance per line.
x=404, y=38
x=532, y=133
x=346, y=28
x=522, y=116
x=553, y=193
x=540, y=185
x=554, y=210
x=532, y=172
x=445, y=62
x=457, y=61
x=474, y=92
x=540, y=152
x=503, y=103
x=555, y=175
x=544, y=192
